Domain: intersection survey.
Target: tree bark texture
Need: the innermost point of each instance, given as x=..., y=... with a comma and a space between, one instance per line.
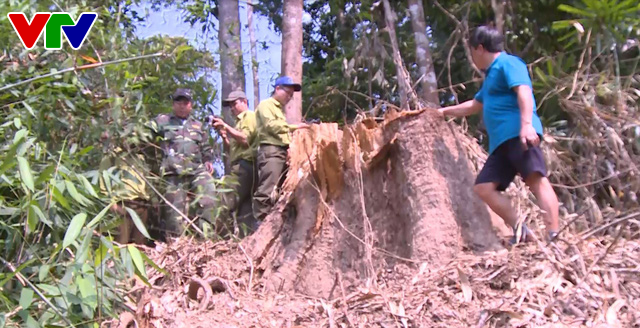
x=498, y=11
x=254, y=55
x=408, y=97
x=292, y=54
x=428, y=82
x=230, y=52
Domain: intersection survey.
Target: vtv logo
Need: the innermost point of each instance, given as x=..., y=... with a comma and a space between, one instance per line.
x=53, y=24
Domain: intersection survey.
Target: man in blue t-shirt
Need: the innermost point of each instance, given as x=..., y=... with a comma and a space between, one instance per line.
x=514, y=128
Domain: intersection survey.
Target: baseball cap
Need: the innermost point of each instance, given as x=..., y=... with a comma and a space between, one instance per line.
x=288, y=81
x=233, y=96
x=182, y=93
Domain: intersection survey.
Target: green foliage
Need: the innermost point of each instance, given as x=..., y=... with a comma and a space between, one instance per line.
x=55, y=224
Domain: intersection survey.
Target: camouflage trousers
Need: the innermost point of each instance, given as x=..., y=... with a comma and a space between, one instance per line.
x=182, y=190
x=242, y=180
x=272, y=169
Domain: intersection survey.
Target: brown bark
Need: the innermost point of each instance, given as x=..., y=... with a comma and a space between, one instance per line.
x=230, y=51
x=333, y=217
x=292, y=54
x=429, y=84
x=408, y=98
x=254, y=55
x=498, y=11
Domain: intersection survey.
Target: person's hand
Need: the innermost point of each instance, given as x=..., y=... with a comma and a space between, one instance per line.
x=529, y=136
x=223, y=133
x=441, y=111
x=219, y=124
x=209, y=167
x=301, y=126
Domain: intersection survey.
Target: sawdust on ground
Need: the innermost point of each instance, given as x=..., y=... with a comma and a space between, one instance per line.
x=593, y=282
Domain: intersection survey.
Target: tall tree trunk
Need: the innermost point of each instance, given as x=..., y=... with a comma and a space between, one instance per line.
x=498, y=11
x=230, y=57
x=292, y=54
x=254, y=55
x=408, y=98
x=428, y=82
x=230, y=51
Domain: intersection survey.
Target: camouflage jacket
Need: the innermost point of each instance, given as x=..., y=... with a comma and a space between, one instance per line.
x=185, y=143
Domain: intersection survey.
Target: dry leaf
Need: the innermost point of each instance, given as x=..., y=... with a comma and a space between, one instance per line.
x=467, y=292
x=89, y=59
x=612, y=312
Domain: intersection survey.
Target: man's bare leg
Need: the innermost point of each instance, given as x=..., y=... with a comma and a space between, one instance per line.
x=498, y=202
x=501, y=205
x=547, y=200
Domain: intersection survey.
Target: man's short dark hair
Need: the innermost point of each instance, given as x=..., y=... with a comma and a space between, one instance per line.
x=490, y=39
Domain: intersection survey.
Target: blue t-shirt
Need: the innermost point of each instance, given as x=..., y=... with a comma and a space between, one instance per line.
x=500, y=108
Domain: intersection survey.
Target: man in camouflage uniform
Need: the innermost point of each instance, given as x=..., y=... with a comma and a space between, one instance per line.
x=244, y=175
x=273, y=140
x=187, y=162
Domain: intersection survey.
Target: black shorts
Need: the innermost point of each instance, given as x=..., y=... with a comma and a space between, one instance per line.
x=510, y=159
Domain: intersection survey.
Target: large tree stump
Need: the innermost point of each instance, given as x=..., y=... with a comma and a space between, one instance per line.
x=369, y=195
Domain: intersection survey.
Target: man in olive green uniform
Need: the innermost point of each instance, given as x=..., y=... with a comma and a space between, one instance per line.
x=187, y=162
x=273, y=140
x=244, y=175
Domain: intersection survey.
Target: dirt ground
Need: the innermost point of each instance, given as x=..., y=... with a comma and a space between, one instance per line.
x=377, y=226
x=532, y=285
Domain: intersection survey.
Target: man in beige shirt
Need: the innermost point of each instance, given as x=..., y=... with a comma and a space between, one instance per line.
x=244, y=175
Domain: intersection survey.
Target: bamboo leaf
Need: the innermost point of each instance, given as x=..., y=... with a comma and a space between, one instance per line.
x=540, y=75
x=99, y=216
x=60, y=199
x=88, y=186
x=86, y=286
x=49, y=290
x=43, y=272
x=153, y=264
x=630, y=10
x=8, y=211
x=126, y=260
x=576, y=11
x=32, y=220
x=25, y=173
x=36, y=209
x=26, y=297
x=85, y=150
x=137, y=260
x=74, y=229
x=21, y=134
x=74, y=192
x=9, y=156
x=100, y=254
x=83, y=251
x=138, y=222
x=46, y=174
x=29, y=109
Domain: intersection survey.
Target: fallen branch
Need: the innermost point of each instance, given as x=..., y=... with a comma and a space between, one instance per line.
x=611, y=224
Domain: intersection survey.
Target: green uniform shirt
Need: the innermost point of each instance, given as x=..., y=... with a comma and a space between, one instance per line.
x=273, y=128
x=246, y=123
x=185, y=143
